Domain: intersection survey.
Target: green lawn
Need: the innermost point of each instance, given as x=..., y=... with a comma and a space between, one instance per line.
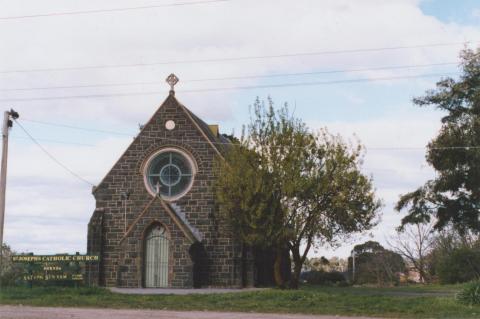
x=404, y=302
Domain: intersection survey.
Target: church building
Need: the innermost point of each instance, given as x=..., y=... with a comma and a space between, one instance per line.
x=156, y=223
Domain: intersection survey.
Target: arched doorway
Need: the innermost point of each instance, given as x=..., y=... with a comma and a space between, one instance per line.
x=156, y=257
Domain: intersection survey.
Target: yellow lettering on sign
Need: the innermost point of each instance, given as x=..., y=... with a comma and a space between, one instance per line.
x=54, y=258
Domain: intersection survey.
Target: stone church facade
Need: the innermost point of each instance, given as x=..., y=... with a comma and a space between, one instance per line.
x=156, y=223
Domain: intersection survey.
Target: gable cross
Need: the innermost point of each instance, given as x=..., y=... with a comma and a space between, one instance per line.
x=172, y=80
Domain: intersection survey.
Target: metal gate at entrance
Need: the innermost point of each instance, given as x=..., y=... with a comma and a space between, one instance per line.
x=156, y=258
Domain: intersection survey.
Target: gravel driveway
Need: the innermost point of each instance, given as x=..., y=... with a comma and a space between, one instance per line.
x=17, y=312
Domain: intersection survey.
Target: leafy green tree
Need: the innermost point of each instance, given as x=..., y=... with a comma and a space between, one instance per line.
x=376, y=265
x=285, y=186
x=453, y=197
x=245, y=194
x=462, y=265
x=455, y=257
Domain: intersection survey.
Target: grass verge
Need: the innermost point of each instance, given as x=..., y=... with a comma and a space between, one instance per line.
x=402, y=302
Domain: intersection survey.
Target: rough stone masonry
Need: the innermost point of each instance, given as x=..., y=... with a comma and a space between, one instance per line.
x=156, y=223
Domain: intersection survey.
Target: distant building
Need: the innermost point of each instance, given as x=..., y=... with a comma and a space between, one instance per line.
x=156, y=223
x=410, y=275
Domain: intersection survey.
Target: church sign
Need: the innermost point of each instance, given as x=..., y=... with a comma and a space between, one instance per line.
x=54, y=258
x=54, y=267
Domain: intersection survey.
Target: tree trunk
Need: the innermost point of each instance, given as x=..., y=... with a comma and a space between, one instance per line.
x=297, y=268
x=422, y=274
x=277, y=269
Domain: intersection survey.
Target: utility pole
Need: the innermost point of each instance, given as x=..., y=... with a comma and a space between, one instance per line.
x=8, y=118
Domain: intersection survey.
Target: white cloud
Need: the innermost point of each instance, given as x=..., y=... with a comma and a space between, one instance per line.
x=396, y=169
x=205, y=32
x=230, y=29
x=45, y=203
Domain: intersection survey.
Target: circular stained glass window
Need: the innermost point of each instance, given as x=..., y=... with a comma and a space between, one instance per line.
x=170, y=173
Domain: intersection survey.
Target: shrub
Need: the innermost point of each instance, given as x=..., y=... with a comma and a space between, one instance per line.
x=461, y=265
x=10, y=273
x=320, y=277
x=470, y=295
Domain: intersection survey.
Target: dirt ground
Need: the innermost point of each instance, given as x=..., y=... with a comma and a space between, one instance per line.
x=21, y=312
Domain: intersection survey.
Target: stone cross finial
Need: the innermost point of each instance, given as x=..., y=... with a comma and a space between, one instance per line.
x=172, y=80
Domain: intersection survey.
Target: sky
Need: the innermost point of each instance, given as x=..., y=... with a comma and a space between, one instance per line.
x=352, y=66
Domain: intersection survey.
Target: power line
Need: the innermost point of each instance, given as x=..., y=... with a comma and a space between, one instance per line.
x=53, y=157
x=318, y=83
x=275, y=75
x=53, y=141
x=363, y=167
x=387, y=148
x=87, y=129
x=78, y=128
x=73, y=143
x=241, y=58
x=107, y=95
x=395, y=67
x=53, y=14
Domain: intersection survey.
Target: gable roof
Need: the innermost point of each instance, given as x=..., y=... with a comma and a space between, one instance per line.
x=218, y=143
x=177, y=215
